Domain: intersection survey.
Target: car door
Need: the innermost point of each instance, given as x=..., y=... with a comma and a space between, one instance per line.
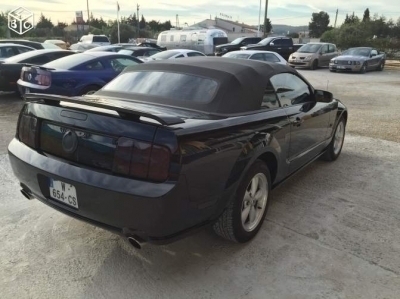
x=120, y=63
x=374, y=59
x=332, y=52
x=324, y=56
x=310, y=120
x=100, y=70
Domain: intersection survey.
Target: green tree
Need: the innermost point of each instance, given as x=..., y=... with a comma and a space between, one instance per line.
x=366, y=17
x=125, y=31
x=142, y=23
x=269, y=27
x=44, y=23
x=319, y=24
x=352, y=19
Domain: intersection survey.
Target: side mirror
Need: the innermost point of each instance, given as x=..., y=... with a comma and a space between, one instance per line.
x=323, y=96
x=271, y=44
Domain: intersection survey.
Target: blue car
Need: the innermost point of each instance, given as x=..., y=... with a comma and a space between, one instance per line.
x=74, y=75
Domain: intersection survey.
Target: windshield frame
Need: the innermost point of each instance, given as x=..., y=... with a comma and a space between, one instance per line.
x=239, y=39
x=265, y=41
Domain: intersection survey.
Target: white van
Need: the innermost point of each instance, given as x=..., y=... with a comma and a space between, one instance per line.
x=100, y=40
x=202, y=40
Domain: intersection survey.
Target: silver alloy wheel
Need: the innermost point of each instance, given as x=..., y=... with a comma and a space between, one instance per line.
x=254, y=202
x=338, y=139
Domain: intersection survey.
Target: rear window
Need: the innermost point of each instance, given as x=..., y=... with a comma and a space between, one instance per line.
x=165, y=54
x=100, y=39
x=126, y=52
x=174, y=86
x=69, y=62
x=237, y=55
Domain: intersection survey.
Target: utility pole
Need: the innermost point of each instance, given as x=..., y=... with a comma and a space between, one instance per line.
x=337, y=11
x=88, y=15
x=265, y=18
x=138, y=20
x=259, y=20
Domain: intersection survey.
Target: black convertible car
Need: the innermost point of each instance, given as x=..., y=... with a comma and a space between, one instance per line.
x=176, y=146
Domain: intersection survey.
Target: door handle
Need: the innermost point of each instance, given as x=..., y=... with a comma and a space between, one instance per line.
x=297, y=122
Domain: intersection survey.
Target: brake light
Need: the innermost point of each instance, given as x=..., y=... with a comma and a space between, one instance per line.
x=142, y=160
x=27, y=128
x=44, y=80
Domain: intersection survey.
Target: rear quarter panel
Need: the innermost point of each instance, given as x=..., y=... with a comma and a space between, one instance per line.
x=216, y=154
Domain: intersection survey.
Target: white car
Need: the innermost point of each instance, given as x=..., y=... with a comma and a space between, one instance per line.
x=173, y=54
x=100, y=40
x=266, y=56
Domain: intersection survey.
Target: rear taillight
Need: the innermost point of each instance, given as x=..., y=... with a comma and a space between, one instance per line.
x=44, y=80
x=142, y=160
x=27, y=128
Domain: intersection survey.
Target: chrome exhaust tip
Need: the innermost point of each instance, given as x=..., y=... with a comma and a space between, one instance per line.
x=134, y=242
x=27, y=194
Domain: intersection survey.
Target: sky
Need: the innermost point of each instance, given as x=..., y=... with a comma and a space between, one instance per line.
x=289, y=12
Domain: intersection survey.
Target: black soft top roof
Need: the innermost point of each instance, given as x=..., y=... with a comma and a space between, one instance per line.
x=241, y=82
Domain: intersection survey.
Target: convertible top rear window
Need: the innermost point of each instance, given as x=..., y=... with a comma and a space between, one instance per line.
x=174, y=86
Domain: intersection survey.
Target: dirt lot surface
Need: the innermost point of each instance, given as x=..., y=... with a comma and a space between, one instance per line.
x=333, y=231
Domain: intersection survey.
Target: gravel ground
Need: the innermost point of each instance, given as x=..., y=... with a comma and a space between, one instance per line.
x=333, y=231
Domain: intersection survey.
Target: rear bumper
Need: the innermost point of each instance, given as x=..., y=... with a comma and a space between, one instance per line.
x=26, y=87
x=157, y=213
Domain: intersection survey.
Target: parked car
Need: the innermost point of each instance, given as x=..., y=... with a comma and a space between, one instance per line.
x=267, y=56
x=57, y=42
x=10, y=69
x=280, y=44
x=173, y=54
x=10, y=50
x=100, y=40
x=125, y=45
x=139, y=51
x=35, y=45
x=313, y=55
x=80, y=47
x=110, y=48
x=75, y=75
x=235, y=45
x=177, y=145
x=151, y=45
x=360, y=59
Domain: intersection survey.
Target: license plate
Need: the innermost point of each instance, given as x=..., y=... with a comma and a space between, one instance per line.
x=63, y=192
x=341, y=67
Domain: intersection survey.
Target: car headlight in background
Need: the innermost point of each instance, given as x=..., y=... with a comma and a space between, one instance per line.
x=308, y=58
x=357, y=62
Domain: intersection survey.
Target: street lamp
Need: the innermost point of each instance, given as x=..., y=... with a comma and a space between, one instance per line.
x=259, y=20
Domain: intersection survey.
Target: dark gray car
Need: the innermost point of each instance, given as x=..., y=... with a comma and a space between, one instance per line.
x=360, y=59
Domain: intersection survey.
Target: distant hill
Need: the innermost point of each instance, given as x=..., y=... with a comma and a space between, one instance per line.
x=283, y=29
x=279, y=29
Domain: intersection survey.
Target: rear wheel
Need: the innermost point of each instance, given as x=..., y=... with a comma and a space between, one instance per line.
x=91, y=89
x=246, y=211
x=335, y=147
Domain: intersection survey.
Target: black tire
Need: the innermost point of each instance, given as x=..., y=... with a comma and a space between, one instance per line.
x=381, y=66
x=363, y=68
x=314, y=65
x=331, y=153
x=89, y=90
x=229, y=225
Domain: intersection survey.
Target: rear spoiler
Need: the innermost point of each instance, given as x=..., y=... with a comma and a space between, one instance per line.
x=166, y=120
x=38, y=67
